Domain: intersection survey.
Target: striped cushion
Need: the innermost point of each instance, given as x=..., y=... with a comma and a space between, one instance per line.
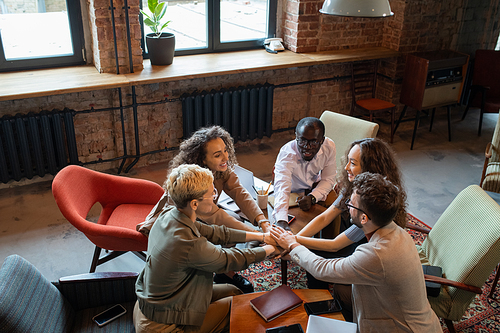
x=465, y=242
x=29, y=302
x=491, y=180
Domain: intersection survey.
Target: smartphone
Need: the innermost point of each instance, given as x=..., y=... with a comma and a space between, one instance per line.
x=290, y=218
x=316, y=308
x=109, y=315
x=295, y=328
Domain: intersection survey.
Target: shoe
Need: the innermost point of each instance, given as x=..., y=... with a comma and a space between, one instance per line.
x=239, y=281
x=283, y=225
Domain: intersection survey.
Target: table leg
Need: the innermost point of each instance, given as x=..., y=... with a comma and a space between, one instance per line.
x=284, y=273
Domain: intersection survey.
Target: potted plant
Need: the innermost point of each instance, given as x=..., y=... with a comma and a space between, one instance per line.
x=161, y=45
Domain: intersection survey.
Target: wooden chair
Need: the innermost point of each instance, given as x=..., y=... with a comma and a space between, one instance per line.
x=465, y=243
x=125, y=203
x=485, y=90
x=363, y=88
x=490, y=177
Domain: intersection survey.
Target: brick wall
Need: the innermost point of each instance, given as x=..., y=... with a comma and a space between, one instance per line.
x=418, y=25
x=103, y=48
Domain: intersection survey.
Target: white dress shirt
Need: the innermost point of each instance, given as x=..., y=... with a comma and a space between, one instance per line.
x=293, y=174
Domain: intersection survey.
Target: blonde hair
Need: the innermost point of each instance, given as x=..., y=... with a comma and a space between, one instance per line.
x=187, y=182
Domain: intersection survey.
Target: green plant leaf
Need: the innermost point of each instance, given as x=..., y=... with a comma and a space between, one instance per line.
x=164, y=25
x=145, y=15
x=161, y=10
x=152, y=4
x=149, y=22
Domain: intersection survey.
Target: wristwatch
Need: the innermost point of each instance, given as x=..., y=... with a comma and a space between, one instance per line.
x=313, y=199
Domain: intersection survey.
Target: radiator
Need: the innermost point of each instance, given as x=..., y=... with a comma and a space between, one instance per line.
x=36, y=144
x=245, y=112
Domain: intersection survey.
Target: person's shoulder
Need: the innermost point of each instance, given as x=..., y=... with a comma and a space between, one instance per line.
x=289, y=151
x=328, y=143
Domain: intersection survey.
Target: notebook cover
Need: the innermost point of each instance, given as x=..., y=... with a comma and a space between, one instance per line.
x=276, y=302
x=292, y=201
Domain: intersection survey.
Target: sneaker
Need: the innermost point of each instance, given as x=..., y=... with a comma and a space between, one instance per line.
x=239, y=281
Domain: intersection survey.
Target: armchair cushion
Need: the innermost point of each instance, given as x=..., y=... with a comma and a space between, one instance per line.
x=29, y=302
x=465, y=243
x=491, y=180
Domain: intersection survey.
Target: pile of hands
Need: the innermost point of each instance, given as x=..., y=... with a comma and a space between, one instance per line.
x=281, y=239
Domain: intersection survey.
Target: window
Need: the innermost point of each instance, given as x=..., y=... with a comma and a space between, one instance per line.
x=202, y=26
x=40, y=33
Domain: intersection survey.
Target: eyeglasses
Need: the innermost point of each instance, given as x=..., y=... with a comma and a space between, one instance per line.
x=304, y=142
x=347, y=203
x=215, y=194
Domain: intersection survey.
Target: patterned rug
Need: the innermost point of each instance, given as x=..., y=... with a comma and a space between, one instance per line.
x=482, y=316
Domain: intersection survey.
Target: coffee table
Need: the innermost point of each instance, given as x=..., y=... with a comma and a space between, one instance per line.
x=244, y=319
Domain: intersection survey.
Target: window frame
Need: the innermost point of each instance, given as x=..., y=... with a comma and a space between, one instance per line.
x=213, y=32
x=77, y=39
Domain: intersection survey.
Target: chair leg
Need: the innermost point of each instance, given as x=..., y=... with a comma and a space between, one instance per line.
x=393, y=112
x=432, y=119
x=465, y=112
x=95, y=259
x=449, y=122
x=417, y=120
x=495, y=281
x=284, y=271
x=400, y=118
x=450, y=326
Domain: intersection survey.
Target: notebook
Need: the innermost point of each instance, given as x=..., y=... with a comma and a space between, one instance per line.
x=276, y=302
x=318, y=324
x=292, y=201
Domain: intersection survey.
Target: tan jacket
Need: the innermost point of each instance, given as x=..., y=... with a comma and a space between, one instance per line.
x=217, y=216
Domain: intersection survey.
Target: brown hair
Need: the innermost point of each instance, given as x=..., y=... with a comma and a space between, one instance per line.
x=378, y=197
x=193, y=150
x=377, y=157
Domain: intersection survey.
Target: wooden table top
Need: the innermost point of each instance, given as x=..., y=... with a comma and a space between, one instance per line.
x=54, y=81
x=244, y=319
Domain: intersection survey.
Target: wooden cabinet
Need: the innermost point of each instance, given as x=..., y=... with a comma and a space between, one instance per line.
x=431, y=80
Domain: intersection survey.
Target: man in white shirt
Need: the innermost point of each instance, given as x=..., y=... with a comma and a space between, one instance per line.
x=305, y=166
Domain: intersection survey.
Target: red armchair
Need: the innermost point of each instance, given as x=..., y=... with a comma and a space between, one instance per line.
x=125, y=203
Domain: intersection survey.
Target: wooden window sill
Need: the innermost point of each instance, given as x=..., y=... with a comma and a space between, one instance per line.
x=54, y=81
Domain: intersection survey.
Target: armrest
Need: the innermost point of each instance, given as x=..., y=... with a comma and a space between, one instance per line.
x=417, y=228
x=95, y=289
x=451, y=283
x=487, y=153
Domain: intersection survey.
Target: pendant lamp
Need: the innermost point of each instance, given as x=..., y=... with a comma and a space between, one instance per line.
x=362, y=8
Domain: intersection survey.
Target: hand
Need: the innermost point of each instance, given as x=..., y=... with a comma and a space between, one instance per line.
x=305, y=202
x=283, y=238
x=283, y=225
x=268, y=239
x=265, y=226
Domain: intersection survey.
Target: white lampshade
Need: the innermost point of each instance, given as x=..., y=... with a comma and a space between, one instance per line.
x=363, y=8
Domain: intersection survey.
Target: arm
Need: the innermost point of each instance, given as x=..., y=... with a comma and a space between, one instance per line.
x=232, y=186
x=328, y=172
x=285, y=163
x=331, y=245
x=321, y=221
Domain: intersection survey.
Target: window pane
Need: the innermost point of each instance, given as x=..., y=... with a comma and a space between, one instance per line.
x=35, y=31
x=243, y=20
x=188, y=21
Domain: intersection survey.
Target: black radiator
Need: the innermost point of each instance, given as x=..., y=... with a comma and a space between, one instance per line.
x=245, y=112
x=36, y=144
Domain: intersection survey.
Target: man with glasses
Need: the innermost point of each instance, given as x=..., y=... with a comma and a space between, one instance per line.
x=388, y=286
x=305, y=166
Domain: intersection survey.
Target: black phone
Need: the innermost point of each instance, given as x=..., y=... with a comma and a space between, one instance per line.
x=109, y=315
x=290, y=218
x=320, y=307
x=295, y=328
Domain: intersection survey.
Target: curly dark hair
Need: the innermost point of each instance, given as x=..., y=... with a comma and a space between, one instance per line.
x=378, y=197
x=193, y=150
x=377, y=157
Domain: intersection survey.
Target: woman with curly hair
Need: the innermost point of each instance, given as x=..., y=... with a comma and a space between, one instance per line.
x=366, y=155
x=213, y=148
